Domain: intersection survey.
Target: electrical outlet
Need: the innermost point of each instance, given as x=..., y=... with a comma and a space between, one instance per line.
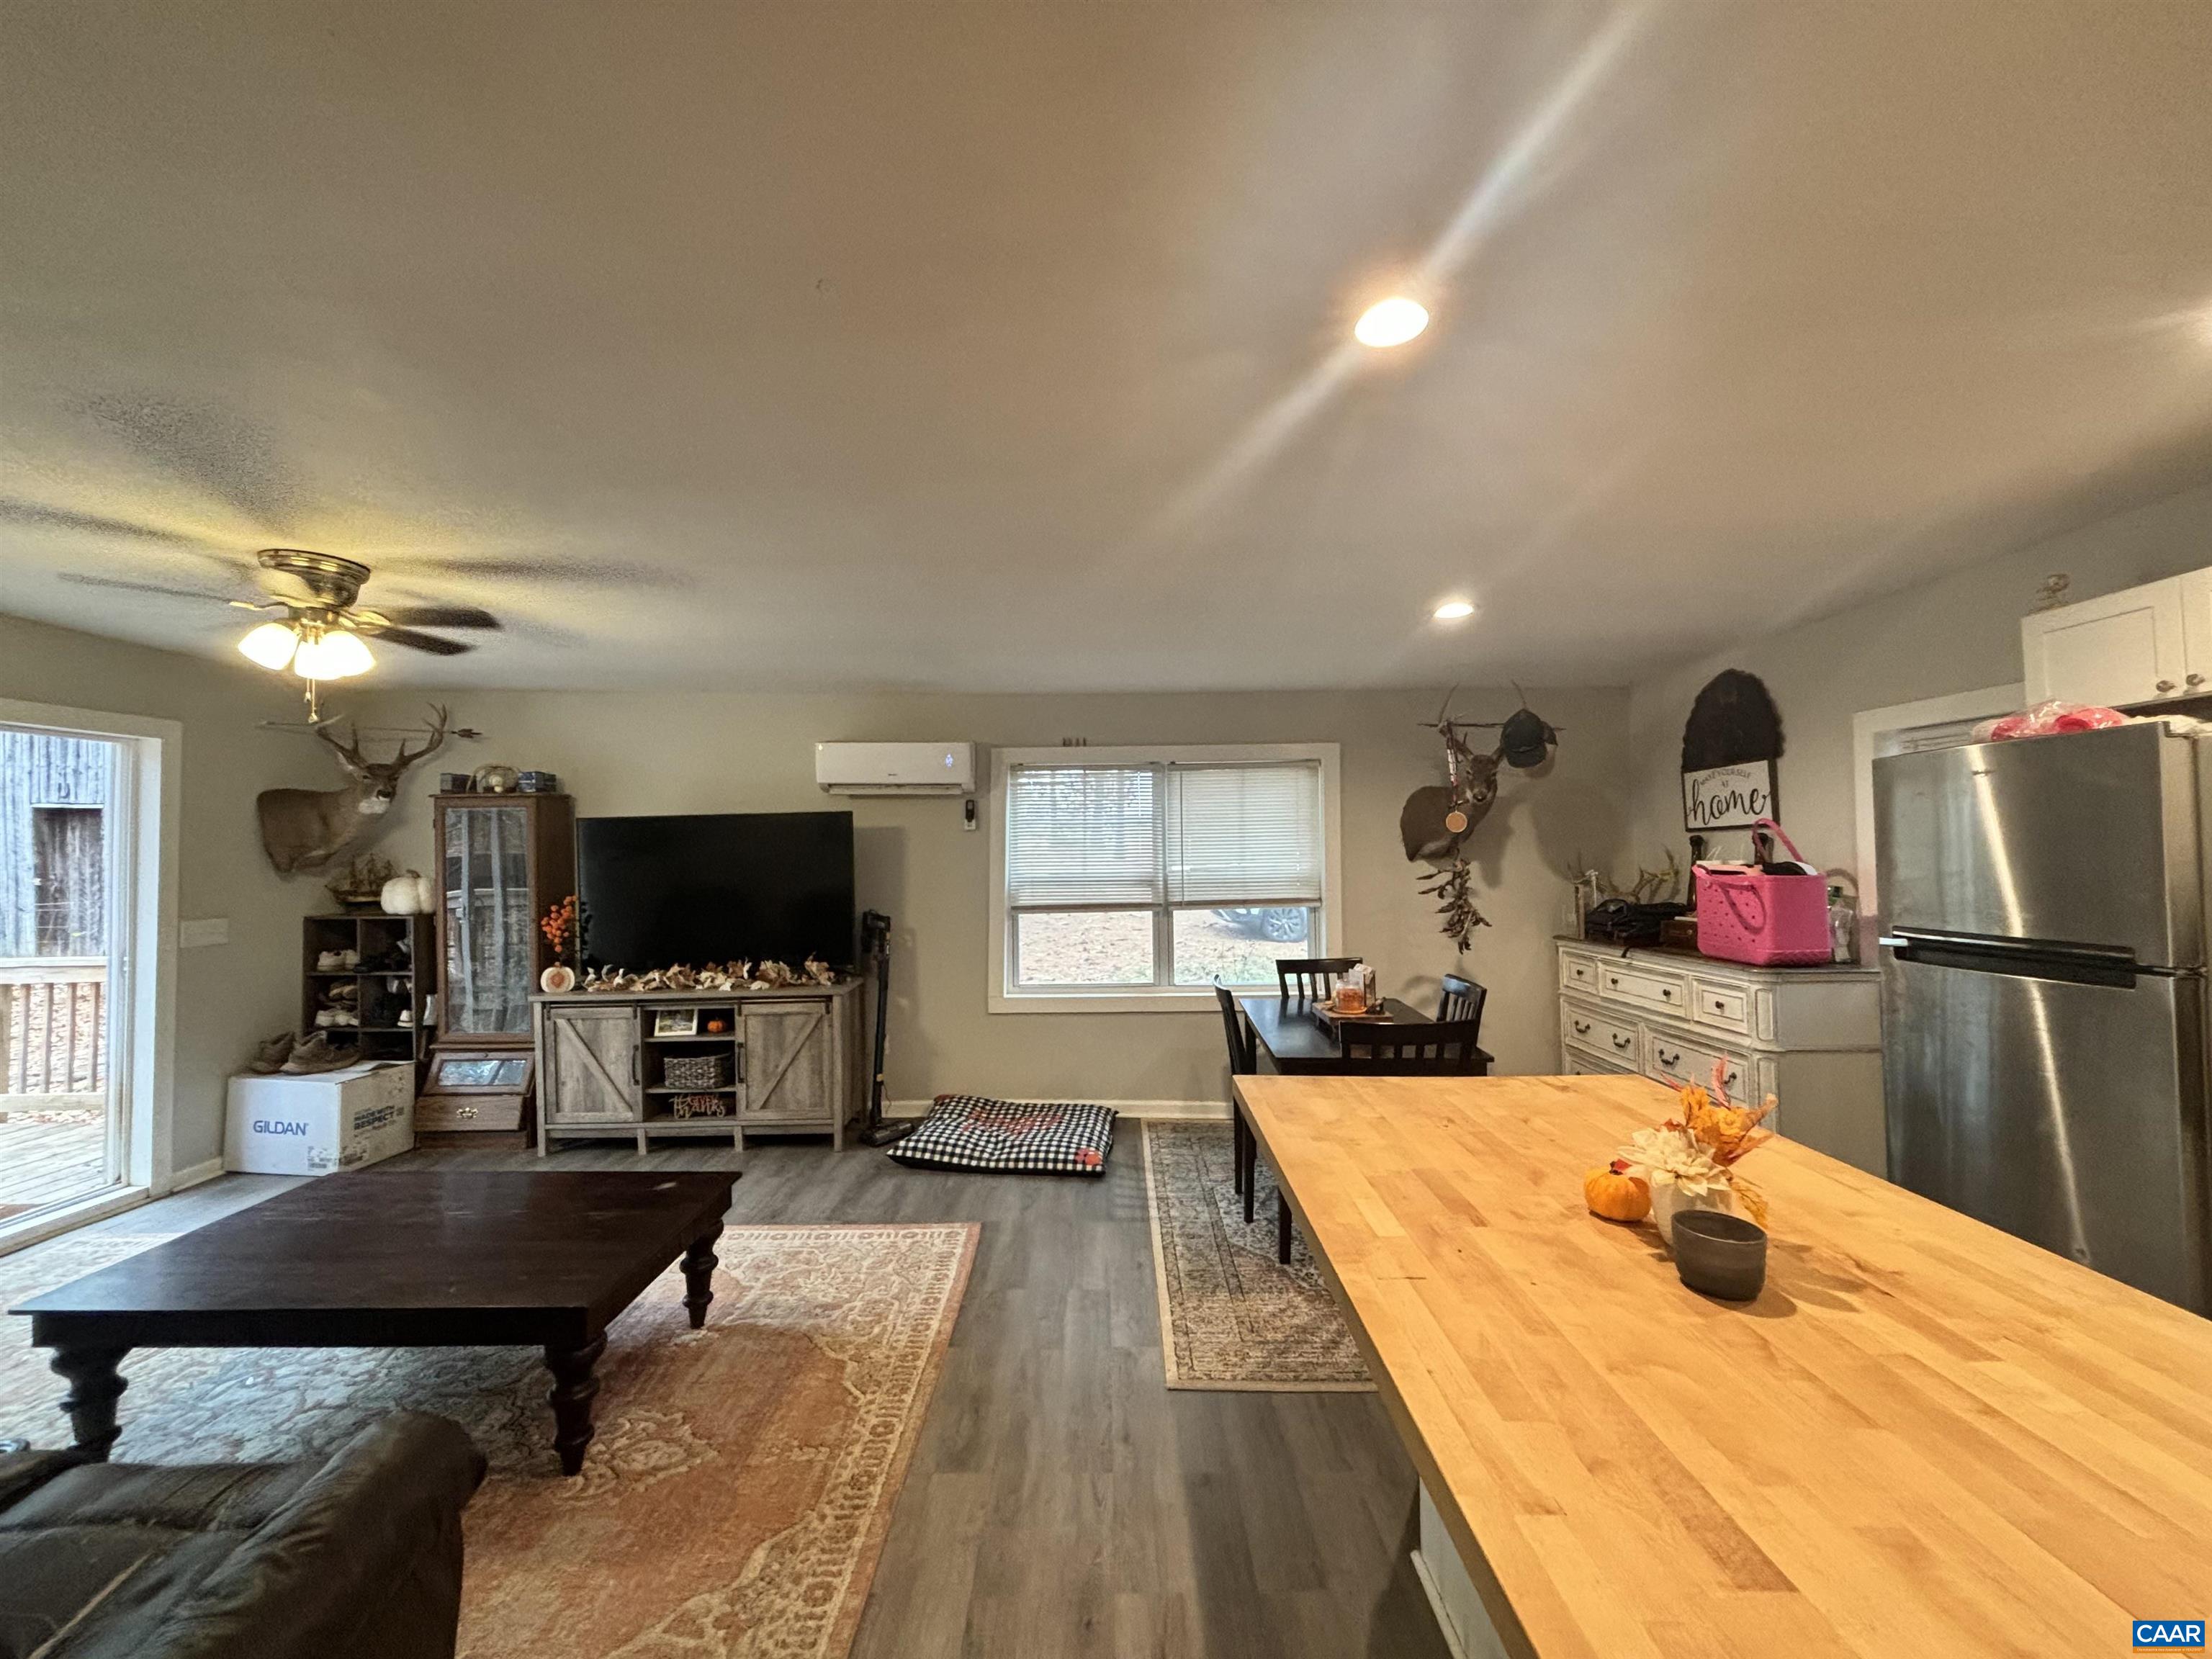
x=968, y=817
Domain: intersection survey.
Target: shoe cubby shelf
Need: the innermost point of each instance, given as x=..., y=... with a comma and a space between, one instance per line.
x=393, y=973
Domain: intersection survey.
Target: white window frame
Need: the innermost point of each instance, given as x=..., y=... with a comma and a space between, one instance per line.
x=147, y=797
x=1001, y=998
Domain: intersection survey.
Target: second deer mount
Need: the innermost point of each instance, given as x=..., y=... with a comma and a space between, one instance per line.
x=307, y=829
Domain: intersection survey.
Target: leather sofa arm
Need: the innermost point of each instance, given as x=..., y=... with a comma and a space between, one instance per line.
x=24, y=1471
x=362, y=1562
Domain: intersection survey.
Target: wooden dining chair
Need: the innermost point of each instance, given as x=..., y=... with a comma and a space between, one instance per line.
x=1445, y=1048
x=1462, y=1000
x=1312, y=979
x=1243, y=1061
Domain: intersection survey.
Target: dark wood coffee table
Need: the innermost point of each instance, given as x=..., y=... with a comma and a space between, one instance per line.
x=394, y=1259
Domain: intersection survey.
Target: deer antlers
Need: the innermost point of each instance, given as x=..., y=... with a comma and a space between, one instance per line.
x=1650, y=887
x=439, y=714
x=350, y=757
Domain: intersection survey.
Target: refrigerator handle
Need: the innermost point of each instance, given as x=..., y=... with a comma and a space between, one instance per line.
x=2116, y=968
x=1906, y=941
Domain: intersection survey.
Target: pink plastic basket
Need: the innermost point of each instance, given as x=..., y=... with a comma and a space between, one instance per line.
x=1765, y=921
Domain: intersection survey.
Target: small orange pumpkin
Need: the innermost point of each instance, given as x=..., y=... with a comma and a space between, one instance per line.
x=1617, y=1196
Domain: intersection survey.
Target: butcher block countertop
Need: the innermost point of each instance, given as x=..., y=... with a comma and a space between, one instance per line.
x=1925, y=1438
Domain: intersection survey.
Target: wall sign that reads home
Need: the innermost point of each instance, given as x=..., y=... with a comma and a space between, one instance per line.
x=1728, y=796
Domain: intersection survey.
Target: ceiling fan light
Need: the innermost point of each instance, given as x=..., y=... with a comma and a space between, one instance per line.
x=271, y=645
x=336, y=655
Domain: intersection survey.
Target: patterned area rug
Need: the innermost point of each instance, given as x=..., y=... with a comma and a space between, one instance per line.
x=1231, y=1315
x=737, y=1496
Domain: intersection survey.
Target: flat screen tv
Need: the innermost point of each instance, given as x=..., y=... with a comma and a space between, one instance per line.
x=710, y=887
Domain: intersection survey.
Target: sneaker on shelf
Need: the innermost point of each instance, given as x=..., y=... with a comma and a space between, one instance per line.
x=317, y=1053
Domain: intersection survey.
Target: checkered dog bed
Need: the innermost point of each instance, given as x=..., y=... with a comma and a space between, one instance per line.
x=971, y=1132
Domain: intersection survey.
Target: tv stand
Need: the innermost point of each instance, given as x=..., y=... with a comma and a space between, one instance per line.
x=789, y=1063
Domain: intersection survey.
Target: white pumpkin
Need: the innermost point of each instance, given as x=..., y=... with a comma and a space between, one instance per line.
x=408, y=895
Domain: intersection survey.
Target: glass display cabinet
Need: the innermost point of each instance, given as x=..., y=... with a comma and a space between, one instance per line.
x=503, y=861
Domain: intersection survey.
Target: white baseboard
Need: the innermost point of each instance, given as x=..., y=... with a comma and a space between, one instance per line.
x=1196, y=1110
x=206, y=1169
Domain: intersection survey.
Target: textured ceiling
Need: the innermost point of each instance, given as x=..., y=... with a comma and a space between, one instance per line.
x=1002, y=347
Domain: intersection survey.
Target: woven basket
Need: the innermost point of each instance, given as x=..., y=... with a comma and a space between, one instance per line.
x=696, y=1071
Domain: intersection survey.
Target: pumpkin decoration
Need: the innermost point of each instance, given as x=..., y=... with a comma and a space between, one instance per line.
x=1613, y=1192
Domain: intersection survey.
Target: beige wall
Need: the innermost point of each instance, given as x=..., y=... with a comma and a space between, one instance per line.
x=694, y=752
x=1959, y=634
x=230, y=996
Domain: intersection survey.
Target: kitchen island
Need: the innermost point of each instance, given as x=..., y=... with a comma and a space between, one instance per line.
x=1925, y=1438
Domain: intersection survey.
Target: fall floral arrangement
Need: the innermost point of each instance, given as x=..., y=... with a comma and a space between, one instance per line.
x=1695, y=1154
x=562, y=928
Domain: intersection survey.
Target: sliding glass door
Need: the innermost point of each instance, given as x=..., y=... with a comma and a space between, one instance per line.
x=65, y=846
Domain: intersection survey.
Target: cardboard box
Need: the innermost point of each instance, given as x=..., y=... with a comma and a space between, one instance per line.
x=342, y=1120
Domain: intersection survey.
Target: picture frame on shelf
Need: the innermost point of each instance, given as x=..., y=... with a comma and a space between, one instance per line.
x=675, y=1022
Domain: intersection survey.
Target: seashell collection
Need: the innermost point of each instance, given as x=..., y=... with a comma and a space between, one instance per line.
x=739, y=976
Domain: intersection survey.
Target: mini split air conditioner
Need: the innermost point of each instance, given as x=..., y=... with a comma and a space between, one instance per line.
x=896, y=768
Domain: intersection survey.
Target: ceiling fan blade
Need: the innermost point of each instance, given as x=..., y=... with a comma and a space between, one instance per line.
x=437, y=616
x=414, y=641
x=156, y=587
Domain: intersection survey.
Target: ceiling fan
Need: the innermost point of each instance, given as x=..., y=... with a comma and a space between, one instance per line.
x=323, y=635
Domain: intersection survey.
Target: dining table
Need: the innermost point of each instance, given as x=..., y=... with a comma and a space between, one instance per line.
x=1291, y=1035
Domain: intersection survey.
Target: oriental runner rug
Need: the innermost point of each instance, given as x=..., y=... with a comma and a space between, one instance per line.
x=1232, y=1317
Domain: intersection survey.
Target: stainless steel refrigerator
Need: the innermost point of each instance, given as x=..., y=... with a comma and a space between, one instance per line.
x=2042, y=964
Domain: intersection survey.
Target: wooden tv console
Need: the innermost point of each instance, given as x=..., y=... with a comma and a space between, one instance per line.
x=793, y=1064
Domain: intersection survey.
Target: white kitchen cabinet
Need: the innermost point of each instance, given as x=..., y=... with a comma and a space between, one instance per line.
x=2141, y=645
x=2196, y=632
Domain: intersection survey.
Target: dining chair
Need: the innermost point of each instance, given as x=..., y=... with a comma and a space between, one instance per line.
x=1243, y=1061
x=1312, y=979
x=1462, y=998
x=1444, y=1048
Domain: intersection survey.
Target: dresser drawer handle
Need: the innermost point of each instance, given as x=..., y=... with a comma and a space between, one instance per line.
x=1719, y=1006
x=1665, y=992
x=1670, y=1061
x=465, y=1111
x=1622, y=1042
x=1581, y=1027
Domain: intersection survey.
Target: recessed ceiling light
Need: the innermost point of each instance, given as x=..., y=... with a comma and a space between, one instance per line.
x=1390, y=322
x=1453, y=611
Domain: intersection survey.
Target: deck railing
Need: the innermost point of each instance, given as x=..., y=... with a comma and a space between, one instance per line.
x=53, y=1025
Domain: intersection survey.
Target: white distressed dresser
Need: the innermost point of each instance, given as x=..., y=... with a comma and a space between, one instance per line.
x=1809, y=1036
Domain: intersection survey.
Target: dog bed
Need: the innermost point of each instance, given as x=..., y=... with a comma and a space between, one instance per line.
x=973, y=1131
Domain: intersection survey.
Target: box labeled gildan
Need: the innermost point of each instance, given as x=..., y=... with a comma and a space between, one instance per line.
x=342, y=1120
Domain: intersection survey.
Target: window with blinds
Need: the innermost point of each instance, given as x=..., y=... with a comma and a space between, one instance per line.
x=1166, y=874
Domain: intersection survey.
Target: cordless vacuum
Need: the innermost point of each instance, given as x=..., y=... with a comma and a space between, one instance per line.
x=876, y=942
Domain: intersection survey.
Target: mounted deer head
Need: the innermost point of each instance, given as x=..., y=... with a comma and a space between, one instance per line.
x=305, y=829
x=1436, y=819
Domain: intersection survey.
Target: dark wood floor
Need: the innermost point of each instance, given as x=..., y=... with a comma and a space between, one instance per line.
x=1062, y=1501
